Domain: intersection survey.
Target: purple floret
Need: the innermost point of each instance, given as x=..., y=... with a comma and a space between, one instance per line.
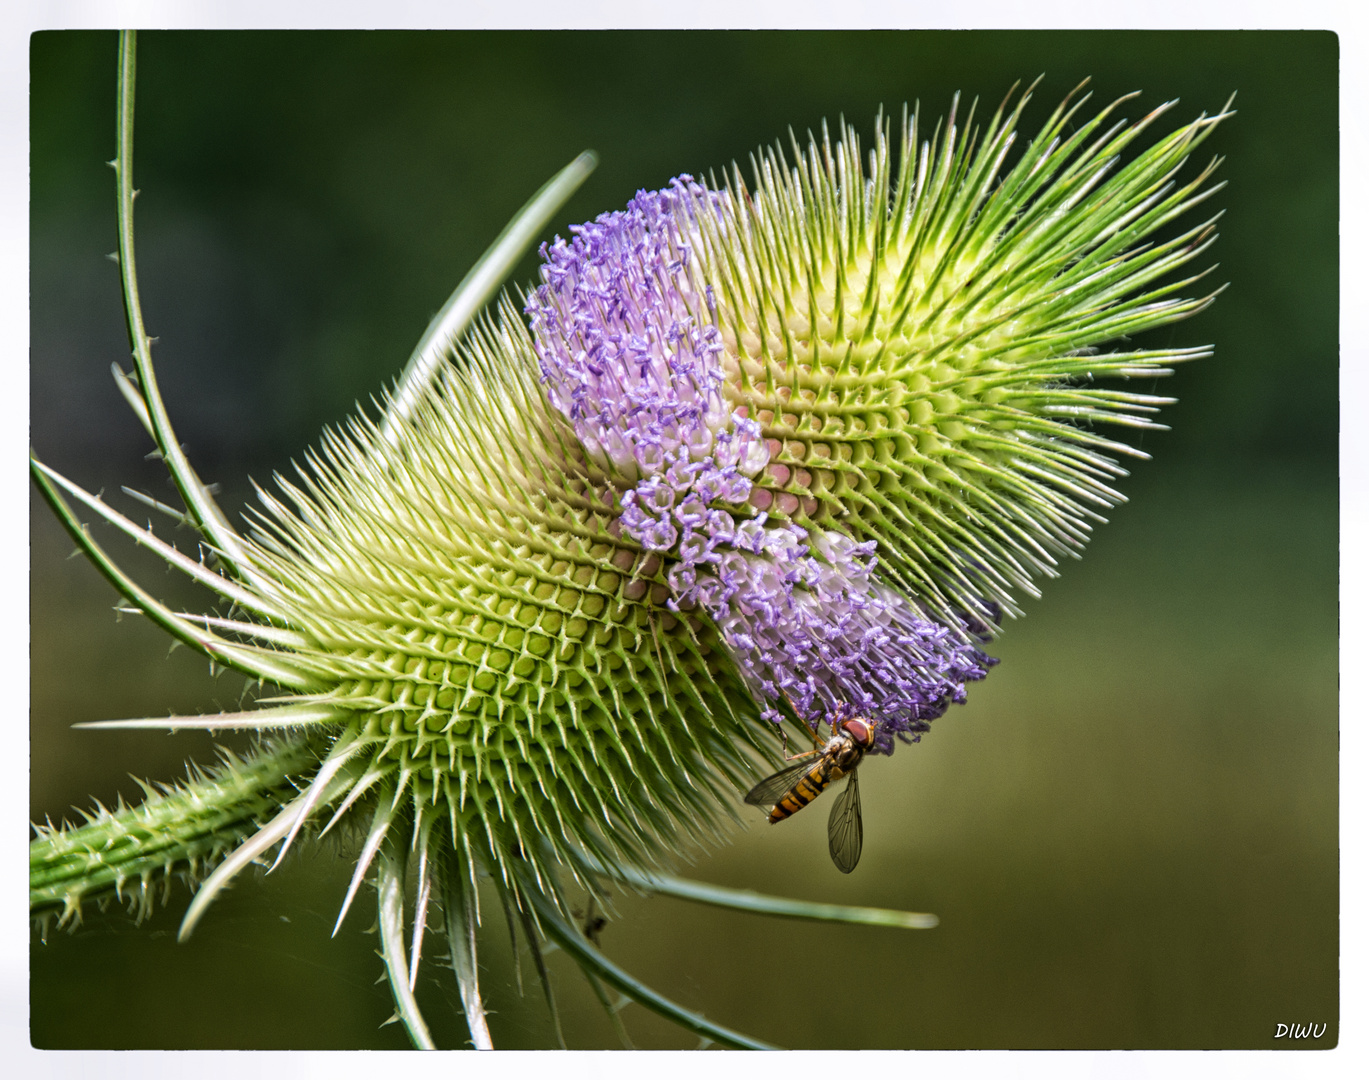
x=627, y=350
x=819, y=630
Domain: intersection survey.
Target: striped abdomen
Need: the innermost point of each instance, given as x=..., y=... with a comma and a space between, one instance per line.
x=809, y=786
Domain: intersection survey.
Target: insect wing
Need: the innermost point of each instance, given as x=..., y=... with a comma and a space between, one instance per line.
x=774, y=787
x=845, y=830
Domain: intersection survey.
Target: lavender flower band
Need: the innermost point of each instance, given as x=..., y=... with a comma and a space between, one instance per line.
x=629, y=355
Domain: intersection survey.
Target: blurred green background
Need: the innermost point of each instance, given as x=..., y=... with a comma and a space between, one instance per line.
x=1130, y=831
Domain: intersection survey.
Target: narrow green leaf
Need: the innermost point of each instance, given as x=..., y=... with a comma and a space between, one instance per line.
x=258, y=663
x=761, y=904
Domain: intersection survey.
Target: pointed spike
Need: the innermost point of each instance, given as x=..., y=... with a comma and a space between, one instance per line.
x=421, y=907
x=380, y=827
x=341, y=753
x=253, y=720
x=242, y=857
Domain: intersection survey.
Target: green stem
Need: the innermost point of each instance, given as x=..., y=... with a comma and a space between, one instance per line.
x=181, y=829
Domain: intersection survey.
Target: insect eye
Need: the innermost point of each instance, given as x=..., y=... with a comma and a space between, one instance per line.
x=859, y=730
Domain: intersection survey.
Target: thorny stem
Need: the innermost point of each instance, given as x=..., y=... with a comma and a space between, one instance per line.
x=178, y=829
x=197, y=498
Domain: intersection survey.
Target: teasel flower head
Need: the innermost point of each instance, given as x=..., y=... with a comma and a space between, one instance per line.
x=632, y=356
x=787, y=445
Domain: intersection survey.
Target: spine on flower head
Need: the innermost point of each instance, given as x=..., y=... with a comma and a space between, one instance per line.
x=629, y=354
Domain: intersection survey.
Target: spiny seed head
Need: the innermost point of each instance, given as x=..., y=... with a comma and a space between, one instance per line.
x=799, y=440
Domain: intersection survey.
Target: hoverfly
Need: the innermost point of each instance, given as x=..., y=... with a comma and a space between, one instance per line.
x=795, y=786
